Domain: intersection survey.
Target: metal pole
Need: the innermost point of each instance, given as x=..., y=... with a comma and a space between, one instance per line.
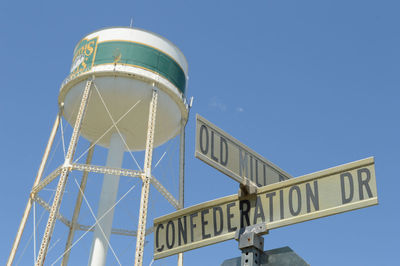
x=251, y=243
x=146, y=181
x=251, y=256
x=63, y=177
x=181, y=176
x=108, y=196
x=77, y=208
x=182, y=166
x=37, y=180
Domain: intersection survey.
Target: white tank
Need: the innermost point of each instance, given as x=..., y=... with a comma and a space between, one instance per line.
x=126, y=64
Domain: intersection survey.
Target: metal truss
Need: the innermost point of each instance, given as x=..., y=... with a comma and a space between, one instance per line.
x=107, y=170
x=47, y=207
x=102, y=170
x=64, y=220
x=168, y=196
x=62, y=172
x=116, y=231
x=144, y=198
x=53, y=175
x=63, y=177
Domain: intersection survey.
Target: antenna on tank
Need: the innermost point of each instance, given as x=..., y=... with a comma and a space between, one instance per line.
x=131, y=25
x=191, y=102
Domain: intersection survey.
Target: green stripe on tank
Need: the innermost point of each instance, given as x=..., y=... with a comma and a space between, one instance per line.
x=143, y=56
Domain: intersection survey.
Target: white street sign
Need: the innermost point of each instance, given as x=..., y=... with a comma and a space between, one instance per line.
x=335, y=190
x=223, y=152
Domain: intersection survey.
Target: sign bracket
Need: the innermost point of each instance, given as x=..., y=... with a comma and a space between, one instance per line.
x=251, y=243
x=247, y=188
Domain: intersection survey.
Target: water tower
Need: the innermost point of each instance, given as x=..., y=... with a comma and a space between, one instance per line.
x=125, y=92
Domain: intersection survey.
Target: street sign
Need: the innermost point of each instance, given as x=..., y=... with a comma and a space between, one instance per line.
x=223, y=152
x=280, y=256
x=339, y=189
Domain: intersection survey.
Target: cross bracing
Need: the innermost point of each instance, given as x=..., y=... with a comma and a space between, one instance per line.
x=61, y=174
x=107, y=170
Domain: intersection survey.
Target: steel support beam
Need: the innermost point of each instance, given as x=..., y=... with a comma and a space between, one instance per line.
x=168, y=196
x=115, y=231
x=36, y=182
x=106, y=170
x=47, y=207
x=146, y=180
x=63, y=177
x=181, y=176
x=47, y=180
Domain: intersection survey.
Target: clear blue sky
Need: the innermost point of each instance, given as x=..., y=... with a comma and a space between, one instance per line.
x=307, y=84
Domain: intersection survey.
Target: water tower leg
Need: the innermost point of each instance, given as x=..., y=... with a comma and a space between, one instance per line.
x=108, y=196
x=63, y=177
x=146, y=181
x=38, y=177
x=181, y=176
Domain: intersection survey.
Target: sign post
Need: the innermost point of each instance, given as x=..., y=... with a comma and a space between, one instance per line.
x=335, y=190
x=284, y=256
x=251, y=243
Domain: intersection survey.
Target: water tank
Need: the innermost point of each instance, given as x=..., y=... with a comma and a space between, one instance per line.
x=126, y=64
